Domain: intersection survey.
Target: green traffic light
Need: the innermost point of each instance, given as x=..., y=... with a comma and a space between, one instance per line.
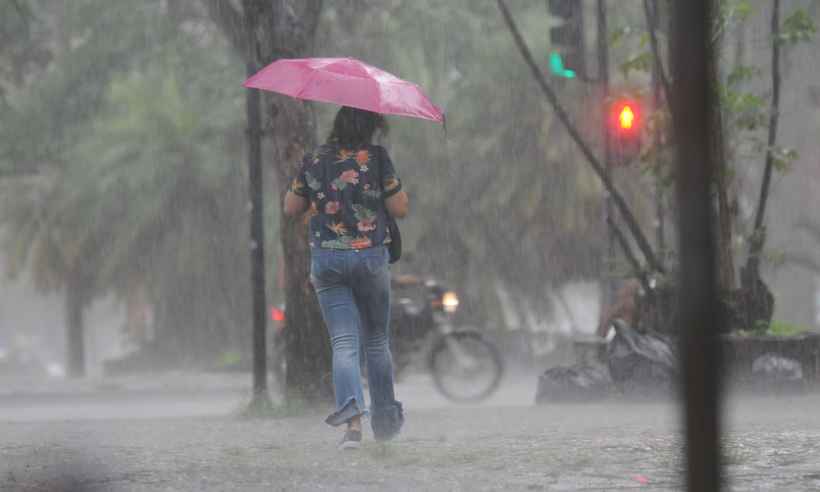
x=557, y=66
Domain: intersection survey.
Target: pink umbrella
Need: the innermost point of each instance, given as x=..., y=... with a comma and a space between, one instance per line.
x=348, y=82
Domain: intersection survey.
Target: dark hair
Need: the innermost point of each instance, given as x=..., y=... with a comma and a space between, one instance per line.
x=354, y=127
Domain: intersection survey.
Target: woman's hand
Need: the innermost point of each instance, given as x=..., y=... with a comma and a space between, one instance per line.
x=295, y=204
x=398, y=205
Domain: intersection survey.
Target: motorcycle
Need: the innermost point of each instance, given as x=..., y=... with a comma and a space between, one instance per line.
x=465, y=366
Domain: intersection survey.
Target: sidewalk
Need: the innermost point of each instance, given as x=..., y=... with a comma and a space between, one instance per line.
x=167, y=382
x=770, y=445
x=552, y=448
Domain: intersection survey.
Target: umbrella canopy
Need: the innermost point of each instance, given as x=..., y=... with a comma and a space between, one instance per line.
x=348, y=82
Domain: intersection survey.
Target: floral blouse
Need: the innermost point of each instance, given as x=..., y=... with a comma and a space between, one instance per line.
x=347, y=189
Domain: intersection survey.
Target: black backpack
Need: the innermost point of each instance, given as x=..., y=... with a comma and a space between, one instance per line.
x=394, y=247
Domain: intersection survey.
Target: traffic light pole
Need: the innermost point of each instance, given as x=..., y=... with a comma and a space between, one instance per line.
x=659, y=83
x=603, y=77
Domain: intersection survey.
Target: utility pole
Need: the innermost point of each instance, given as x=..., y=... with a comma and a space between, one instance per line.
x=652, y=19
x=261, y=396
x=603, y=76
x=700, y=316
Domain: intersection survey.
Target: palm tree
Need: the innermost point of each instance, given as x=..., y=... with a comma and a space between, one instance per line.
x=48, y=239
x=169, y=209
x=142, y=197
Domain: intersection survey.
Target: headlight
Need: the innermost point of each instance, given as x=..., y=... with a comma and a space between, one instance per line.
x=449, y=301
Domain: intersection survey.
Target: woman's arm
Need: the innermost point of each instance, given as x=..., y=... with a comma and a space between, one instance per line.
x=295, y=204
x=397, y=205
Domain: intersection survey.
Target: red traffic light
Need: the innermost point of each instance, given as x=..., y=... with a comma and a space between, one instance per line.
x=626, y=116
x=625, y=128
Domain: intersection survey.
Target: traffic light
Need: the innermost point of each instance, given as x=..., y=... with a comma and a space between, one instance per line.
x=567, y=38
x=626, y=126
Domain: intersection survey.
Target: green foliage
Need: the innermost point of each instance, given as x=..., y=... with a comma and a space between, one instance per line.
x=783, y=158
x=744, y=111
x=642, y=62
x=89, y=45
x=797, y=27
x=617, y=36
x=134, y=127
x=741, y=74
x=731, y=13
x=779, y=329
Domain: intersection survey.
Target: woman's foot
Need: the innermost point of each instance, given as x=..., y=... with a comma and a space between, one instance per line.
x=387, y=422
x=351, y=440
x=353, y=435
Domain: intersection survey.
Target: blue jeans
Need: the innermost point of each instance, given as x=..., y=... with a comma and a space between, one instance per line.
x=353, y=287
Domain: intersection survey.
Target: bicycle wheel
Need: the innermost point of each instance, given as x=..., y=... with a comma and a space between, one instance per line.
x=466, y=368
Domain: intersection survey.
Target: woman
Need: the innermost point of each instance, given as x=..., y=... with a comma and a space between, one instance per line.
x=351, y=185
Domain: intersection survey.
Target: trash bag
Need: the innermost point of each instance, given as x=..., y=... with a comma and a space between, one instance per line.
x=776, y=368
x=641, y=363
x=573, y=384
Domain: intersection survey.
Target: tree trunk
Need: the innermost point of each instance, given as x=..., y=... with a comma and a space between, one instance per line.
x=758, y=299
x=759, y=236
x=293, y=132
x=286, y=28
x=725, y=215
x=75, y=328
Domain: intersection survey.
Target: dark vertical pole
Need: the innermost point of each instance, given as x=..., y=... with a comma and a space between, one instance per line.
x=257, y=243
x=257, y=227
x=652, y=18
x=603, y=76
x=694, y=96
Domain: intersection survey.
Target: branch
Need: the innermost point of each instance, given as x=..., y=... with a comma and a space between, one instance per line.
x=643, y=244
x=230, y=21
x=757, y=246
x=652, y=25
x=630, y=256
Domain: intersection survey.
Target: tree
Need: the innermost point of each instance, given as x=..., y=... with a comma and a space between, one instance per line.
x=798, y=27
x=279, y=29
x=135, y=188
x=741, y=115
x=39, y=237
x=38, y=122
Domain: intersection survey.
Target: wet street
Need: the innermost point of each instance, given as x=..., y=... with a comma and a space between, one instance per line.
x=192, y=441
